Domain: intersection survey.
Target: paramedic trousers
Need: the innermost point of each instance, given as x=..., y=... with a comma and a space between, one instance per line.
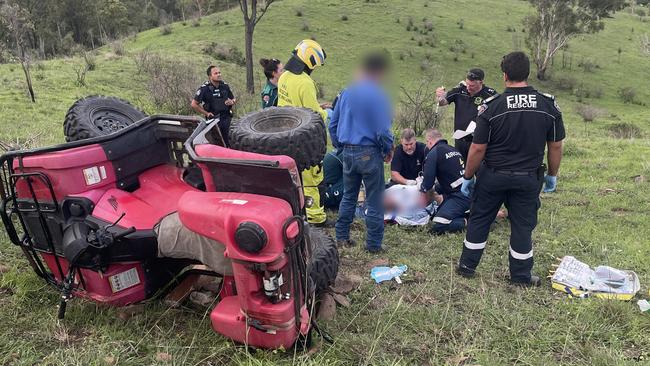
x=450, y=216
x=519, y=191
x=362, y=163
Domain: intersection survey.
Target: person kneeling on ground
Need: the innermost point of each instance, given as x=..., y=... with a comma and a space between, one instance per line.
x=333, y=179
x=445, y=164
x=407, y=160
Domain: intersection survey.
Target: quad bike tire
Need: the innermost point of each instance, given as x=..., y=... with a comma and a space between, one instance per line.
x=98, y=116
x=324, y=260
x=296, y=132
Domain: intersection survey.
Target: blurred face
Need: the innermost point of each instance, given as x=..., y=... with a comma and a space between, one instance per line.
x=409, y=146
x=215, y=75
x=473, y=86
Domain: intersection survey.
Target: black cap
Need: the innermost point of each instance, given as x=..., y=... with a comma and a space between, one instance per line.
x=475, y=74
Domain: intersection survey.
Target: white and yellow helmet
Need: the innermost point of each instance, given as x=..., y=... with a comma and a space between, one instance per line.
x=310, y=53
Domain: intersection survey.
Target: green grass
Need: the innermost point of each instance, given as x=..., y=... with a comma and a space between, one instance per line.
x=442, y=320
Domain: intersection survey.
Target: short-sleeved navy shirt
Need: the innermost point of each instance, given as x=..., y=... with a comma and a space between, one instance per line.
x=516, y=126
x=467, y=105
x=408, y=166
x=213, y=98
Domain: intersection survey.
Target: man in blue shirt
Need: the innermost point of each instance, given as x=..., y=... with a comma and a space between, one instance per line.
x=360, y=125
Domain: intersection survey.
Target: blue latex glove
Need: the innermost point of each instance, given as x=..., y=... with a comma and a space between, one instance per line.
x=467, y=186
x=550, y=183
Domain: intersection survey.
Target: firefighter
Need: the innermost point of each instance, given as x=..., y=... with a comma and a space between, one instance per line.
x=297, y=89
x=506, y=156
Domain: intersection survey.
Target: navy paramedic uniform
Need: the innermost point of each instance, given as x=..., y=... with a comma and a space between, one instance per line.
x=213, y=98
x=445, y=164
x=466, y=109
x=516, y=127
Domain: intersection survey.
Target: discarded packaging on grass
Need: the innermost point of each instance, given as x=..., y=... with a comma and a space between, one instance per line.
x=579, y=280
x=381, y=274
x=644, y=305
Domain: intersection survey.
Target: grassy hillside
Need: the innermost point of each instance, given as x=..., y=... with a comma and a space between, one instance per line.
x=599, y=214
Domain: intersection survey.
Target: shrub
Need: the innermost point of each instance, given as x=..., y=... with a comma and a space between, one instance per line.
x=298, y=12
x=90, y=61
x=344, y=18
x=420, y=43
x=565, y=82
x=401, y=56
x=627, y=94
x=118, y=47
x=461, y=24
x=428, y=26
x=196, y=22
x=305, y=27
x=585, y=91
x=588, y=66
x=225, y=53
x=624, y=130
x=166, y=29
x=408, y=28
x=589, y=113
x=171, y=83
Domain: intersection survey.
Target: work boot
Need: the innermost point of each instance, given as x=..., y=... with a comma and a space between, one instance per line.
x=534, y=281
x=345, y=243
x=465, y=271
x=382, y=249
x=328, y=223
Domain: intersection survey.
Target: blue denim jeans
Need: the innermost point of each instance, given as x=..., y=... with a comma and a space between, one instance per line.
x=362, y=163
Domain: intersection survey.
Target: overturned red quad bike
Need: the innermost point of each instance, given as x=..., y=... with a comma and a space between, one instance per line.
x=86, y=214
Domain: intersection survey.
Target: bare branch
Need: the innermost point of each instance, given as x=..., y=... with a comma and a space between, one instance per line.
x=263, y=10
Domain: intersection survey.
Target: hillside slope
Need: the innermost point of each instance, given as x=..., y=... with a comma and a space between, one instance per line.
x=599, y=213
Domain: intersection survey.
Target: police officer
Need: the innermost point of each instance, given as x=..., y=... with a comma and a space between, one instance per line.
x=444, y=164
x=214, y=99
x=468, y=96
x=506, y=155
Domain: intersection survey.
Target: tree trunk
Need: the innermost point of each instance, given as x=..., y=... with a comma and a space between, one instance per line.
x=249, y=28
x=541, y=73
x=28, y=78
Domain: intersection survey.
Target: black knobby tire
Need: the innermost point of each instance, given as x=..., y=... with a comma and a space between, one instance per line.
x=98, y=116
x=324, y=260
x=296, y=132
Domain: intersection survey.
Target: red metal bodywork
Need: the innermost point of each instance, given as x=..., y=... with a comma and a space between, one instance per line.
x=214, y=214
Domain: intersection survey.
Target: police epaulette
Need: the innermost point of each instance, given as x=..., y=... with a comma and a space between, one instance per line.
x=550, y=96
x=488, y=100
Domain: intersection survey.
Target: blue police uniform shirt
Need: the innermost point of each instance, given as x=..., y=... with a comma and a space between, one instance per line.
x=445, y=164
x=362, y=116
